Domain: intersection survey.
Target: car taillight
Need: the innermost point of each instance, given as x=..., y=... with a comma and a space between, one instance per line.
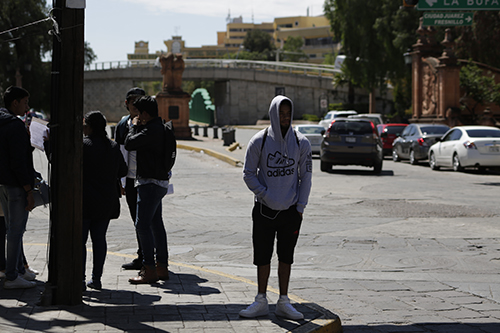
x=469, y=145
x=421, y=141
x=327, y=133
x=375, y=132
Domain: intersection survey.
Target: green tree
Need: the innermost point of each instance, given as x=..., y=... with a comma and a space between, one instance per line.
x=258, y=44
x=293, y=49
x=22, y=50
x=89, y=55
x=480, y=41
x=478, y=88
x=374, y=35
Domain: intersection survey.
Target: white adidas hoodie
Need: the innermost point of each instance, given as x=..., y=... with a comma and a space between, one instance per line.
x=279, y=175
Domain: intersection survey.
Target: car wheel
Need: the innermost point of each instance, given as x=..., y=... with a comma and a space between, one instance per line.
x=377, y=169
x=325, y=167
x=432, y=162
x=456, y=163
x=413, y=160
x=395, y=156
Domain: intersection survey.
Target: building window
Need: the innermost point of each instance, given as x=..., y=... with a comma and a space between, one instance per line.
x=296, y=23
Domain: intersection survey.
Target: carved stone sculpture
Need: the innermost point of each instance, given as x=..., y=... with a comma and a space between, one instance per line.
x=172, y=67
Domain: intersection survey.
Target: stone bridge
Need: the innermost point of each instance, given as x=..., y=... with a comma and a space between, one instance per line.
x=243, y=89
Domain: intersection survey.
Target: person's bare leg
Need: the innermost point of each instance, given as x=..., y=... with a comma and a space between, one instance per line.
x=263, y=277
x=284, y=277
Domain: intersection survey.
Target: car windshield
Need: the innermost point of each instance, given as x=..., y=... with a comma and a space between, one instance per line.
x=394, y=129
x=311, y=129
x=426, y=130
x=483, y=133
x=352, y=127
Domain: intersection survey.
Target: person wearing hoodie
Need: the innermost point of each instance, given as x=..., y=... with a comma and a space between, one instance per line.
x=278, y=170
x=16, y=183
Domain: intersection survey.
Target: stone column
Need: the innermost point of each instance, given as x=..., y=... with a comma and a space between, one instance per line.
x=448, y=77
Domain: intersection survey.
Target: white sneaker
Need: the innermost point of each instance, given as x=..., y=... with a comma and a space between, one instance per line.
x=28, y=276
x=18, y=283
x=258, y=308
x=285, y=309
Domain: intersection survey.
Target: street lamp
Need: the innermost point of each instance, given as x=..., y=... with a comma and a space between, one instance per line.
x=408, y=57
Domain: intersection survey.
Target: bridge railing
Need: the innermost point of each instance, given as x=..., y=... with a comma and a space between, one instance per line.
x=282, y=67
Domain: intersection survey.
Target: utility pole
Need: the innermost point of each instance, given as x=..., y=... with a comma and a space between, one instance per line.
x=64, y=286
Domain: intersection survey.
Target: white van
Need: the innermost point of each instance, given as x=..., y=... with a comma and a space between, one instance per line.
x=331, y=115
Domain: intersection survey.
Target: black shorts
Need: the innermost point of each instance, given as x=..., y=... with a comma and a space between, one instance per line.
x=269, y=224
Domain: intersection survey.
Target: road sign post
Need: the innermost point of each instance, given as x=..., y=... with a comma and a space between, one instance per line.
x=459, y=5
x=447, y=19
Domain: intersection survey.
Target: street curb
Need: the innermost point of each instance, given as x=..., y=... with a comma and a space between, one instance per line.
x=222, y=157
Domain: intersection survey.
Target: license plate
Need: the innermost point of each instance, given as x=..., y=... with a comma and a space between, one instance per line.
x=350, y=139
x=494, y=149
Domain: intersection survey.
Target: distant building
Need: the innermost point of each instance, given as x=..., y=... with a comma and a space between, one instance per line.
x=314, y=30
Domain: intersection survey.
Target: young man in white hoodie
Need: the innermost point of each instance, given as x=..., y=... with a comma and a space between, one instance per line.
x=278, y=170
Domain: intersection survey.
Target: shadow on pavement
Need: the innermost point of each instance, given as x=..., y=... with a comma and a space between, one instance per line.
x=425, y=327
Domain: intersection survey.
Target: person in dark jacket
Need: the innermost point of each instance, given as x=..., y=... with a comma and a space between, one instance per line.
x=128, y=185
x=16, y=183
x=103, y=166
x=146, y=136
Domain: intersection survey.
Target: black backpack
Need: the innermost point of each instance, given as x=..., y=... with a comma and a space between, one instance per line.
x=170, y=145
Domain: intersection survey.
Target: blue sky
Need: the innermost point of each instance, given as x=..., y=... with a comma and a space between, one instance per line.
x=112, y=26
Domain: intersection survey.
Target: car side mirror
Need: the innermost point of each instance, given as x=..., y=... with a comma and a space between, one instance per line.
x=323, y=132
x=439, y=139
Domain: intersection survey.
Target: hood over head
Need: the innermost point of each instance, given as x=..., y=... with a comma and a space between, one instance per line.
x=6, y=116
x=274, y=115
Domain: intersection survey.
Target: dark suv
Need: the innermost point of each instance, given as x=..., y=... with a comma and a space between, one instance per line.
x=352, y=142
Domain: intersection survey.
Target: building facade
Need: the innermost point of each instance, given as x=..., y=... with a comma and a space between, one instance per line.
x=314, y=31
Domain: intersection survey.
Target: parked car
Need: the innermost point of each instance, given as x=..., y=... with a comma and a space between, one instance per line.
x=314, y=133
x=331, y=115
x=376, y=118
x=466, y=146
x=414, y=142
x=351, y=142
x=389, y=132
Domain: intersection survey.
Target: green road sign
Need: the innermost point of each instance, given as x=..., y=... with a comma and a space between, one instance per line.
x=447, y=19
x=458, y=5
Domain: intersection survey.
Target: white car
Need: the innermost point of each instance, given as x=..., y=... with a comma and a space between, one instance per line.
x=466, y=146
x=375, y=118
x=331, y=115
x=313, y=133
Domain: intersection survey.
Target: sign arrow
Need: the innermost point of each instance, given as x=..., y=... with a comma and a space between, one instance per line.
x=431, y=2
x=468, y=19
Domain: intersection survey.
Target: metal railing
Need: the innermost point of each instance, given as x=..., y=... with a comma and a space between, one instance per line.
x=282, y=67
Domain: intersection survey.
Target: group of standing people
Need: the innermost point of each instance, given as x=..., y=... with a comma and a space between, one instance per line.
x=137, y=157
x=278, y=170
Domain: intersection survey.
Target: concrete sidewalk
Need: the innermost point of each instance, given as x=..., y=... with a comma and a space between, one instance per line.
x=195, y=299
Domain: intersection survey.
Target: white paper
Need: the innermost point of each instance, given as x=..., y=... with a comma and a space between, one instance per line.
x=38, y=129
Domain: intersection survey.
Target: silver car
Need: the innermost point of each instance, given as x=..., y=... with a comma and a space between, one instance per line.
x=313, y=133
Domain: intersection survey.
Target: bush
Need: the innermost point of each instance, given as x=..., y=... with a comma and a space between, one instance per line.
x=310, y=117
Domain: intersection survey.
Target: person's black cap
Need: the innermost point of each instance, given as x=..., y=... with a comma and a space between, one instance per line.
x=135, y=92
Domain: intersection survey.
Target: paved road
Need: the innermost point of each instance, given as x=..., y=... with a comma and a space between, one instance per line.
x=410, y=250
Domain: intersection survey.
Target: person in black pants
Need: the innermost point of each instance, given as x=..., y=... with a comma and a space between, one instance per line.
x=128, y=186
x=103, y=166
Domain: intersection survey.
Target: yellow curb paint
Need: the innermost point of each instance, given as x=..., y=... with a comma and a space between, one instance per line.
x=213, y=153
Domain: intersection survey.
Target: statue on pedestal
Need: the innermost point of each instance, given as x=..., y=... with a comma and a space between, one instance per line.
x=172, y=67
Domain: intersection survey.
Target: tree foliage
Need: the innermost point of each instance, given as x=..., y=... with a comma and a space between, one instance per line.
x=480, y=41
x=258, y=44
x=478, y=88
x=23, y=49
x=292, y=50
x=375, y=35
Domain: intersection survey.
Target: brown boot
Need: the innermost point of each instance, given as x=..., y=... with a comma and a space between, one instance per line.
x=162, y=271
x=146, y=275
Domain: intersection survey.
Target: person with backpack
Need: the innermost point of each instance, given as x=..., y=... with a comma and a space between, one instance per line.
x=147, y=137
x=278, y=170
